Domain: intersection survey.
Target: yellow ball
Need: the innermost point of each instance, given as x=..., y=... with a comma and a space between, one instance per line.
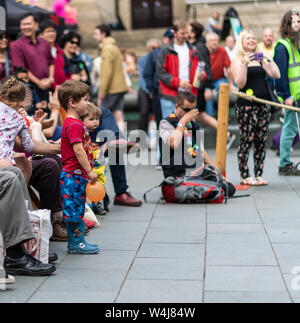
x=249, y=92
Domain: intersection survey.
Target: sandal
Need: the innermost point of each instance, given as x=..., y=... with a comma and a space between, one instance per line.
x=249, y=181
x=261, y=182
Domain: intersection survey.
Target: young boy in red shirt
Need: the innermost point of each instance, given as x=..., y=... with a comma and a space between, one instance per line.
x=77, y=160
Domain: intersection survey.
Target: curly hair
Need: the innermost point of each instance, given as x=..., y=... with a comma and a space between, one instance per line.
x=12, y=90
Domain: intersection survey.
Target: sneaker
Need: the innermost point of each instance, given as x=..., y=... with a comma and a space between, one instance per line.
x=230, y=140
x=7, y=280
x=289, y=170
x=98, y=209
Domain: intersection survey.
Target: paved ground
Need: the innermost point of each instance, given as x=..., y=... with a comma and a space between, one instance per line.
x=244, y=251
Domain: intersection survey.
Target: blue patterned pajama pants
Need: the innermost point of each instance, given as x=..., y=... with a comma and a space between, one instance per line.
x=73, y=196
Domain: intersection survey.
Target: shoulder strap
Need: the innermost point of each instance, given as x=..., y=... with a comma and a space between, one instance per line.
x=151, y=189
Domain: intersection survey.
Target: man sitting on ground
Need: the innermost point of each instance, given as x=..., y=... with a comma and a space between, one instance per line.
x=181, y=146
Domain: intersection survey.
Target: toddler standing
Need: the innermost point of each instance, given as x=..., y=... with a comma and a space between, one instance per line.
x=77, y=160
x=91, y=121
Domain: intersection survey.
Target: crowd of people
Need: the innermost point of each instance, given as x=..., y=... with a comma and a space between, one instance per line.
x=44, y=82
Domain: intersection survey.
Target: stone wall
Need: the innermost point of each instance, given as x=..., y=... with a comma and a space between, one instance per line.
x=254, y=16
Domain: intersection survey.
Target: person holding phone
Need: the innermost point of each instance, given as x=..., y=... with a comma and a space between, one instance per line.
x=249, y=70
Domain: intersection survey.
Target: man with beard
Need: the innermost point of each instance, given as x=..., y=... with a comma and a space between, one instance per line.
x=287, y=57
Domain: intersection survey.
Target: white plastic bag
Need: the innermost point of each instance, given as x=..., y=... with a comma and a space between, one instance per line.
x=42, y=230
x=90, y=216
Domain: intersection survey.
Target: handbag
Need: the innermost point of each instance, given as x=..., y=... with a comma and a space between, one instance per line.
x=38, y=247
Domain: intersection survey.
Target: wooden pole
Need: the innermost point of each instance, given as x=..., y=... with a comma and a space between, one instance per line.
x=223, y=114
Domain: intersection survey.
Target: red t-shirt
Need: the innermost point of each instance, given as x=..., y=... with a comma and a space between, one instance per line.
x=73, y=132
x=218, y=61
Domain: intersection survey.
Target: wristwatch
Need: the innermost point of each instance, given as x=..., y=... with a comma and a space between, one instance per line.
x=181, y=125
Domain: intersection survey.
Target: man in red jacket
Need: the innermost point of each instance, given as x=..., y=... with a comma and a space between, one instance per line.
x=176, y=68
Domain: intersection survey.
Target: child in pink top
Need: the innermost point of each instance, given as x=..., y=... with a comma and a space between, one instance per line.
x=12, y=124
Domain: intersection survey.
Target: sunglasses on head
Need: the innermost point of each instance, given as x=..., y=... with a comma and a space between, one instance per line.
x=74, y=42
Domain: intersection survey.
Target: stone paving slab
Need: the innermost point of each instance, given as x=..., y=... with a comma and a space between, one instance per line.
x=246, y=297
x=161, y=291
x=167, y=269
x=242, y=252
x=171, y=250
x=244, y=278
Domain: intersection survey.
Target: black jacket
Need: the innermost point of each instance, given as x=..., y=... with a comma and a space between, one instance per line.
x=204, y=56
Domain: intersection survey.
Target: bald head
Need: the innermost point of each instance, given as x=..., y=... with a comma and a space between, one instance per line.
x=212, y=42
x=215, y=15
x=230, y=43
x=268, y=37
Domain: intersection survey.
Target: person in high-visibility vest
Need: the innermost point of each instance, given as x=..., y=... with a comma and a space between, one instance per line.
x=287, y=57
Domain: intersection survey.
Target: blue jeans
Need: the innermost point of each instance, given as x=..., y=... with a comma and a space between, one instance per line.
x=167, y=107
x=210, y=104
x=57, y=133
x=118, y=173
x=289, y=131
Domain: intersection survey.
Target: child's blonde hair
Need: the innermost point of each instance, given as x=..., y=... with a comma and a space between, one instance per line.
x=12, y=90
x=92, y=110
x=239, y=44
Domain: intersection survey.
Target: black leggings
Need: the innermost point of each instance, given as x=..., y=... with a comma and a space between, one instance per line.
x=253, y=123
